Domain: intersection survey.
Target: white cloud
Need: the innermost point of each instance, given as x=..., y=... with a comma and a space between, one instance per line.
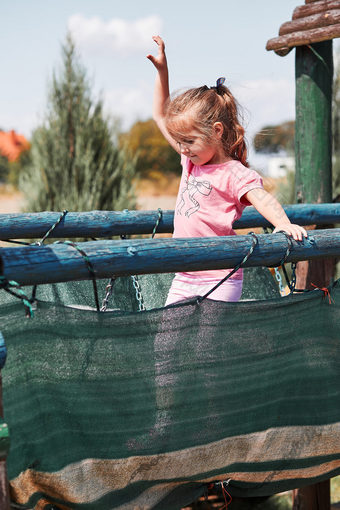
x=129, y=104
x=115, y=36
x=266, y=101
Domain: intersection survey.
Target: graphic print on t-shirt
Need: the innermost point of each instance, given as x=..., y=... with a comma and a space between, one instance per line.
x=191, y=188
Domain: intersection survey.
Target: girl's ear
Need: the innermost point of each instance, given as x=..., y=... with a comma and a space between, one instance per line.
x=218, y=129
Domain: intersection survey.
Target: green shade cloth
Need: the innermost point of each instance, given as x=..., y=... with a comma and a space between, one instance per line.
x=141, y=410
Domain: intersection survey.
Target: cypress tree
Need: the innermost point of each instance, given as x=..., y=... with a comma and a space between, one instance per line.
x=75, y=160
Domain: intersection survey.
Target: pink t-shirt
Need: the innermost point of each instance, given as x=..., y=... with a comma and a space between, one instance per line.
x=210, y=198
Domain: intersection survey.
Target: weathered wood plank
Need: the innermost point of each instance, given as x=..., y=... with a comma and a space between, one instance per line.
x=319, y=20
x=61, y=262
x=283, y=44
x=314, y=8
x=112, y=223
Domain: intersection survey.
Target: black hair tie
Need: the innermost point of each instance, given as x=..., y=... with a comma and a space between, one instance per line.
x=219, y=83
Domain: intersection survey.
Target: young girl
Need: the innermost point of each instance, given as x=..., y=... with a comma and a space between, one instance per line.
x=202, y=125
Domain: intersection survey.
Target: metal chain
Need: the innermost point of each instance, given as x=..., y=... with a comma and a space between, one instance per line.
x=278, y=278
x=108, y=293
x=139, y=296
x=293, y=279
x=291, y=284
x=135, y=282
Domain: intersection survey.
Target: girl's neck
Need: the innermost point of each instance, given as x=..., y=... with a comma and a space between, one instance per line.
x=219, y=158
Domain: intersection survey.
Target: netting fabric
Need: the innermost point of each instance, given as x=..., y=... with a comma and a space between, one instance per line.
x=127, y=409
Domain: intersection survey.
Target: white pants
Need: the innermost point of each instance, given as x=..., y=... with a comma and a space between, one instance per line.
x=184, y=287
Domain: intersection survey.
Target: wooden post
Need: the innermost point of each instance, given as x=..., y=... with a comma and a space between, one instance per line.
x=313, y=149
x=313, y=134
x=4, y=439
x=4, y=486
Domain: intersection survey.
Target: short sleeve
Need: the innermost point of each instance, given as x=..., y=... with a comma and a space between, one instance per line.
x=246, y=180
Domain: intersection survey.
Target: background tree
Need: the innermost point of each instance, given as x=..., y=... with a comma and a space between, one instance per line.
x=275, y=138
x=154, y=153
x=75, y=159
x=4, y=169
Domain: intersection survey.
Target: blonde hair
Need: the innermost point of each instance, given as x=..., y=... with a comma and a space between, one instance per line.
x=200, y=108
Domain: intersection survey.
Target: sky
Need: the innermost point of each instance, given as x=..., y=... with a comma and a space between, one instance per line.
x=204, y=40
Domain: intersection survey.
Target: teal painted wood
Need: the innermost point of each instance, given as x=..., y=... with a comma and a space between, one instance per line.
x=61, y=262
x=3, y=351
x=4, y=449
x=112, y=223
x=4, y=439
x=313, y=129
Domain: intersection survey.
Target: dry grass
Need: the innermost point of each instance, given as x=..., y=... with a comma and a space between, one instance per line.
x=11, y=200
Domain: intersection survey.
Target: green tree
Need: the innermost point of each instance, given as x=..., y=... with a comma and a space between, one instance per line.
x=154, y=152
x=75, y=159
x=18, y=166
x=4, y=168
x=274, y=138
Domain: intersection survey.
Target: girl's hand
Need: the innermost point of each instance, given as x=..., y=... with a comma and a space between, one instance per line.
x=295, y=231
x=160, y=61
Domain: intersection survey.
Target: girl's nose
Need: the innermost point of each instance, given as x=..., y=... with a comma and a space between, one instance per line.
x=184, y=149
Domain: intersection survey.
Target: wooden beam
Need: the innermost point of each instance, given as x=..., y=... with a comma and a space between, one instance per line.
x=114, y=223
x=323, y=19
x=283, y=44
x=62, y=262
x=314, y=8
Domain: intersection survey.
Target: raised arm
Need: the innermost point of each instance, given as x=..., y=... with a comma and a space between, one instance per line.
x=161, y=90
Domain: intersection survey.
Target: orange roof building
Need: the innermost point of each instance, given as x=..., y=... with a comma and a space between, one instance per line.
x=12, y=145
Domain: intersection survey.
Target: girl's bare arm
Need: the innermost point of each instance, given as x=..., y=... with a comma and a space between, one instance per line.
x=161, y=90
x=272, y=210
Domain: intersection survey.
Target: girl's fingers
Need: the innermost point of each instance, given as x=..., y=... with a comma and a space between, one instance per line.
x=158, y=40
x=295, y=231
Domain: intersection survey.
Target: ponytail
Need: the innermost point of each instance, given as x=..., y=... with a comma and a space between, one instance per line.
x=233, y=138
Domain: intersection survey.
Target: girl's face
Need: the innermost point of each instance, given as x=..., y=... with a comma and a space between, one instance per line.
x=199, y=150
